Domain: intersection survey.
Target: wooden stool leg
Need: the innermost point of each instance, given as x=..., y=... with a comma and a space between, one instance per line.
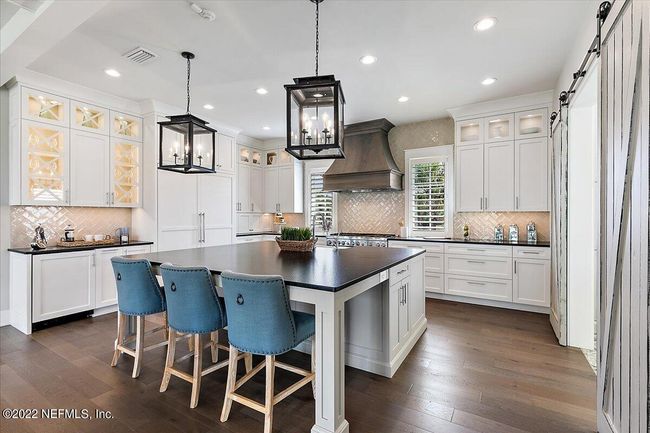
x=268, y=401
x=121, y=325
x=230, y=384
x=248, y=362
x=190, y=343
x=313, y=364
x=169, y=362
x=196, y=376
x=214, y=351
x=166, y=324
x=139, y=346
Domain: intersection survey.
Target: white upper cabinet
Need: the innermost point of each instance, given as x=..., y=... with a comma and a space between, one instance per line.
x=89, y=169
x=127, y=126
x=271, y=190
x=499, y=128
x=44, y=107
x=87, y=117
x=469, y=178
x=531, y=175
x=531, y=124
x=45, y=164
x=256, y=190
x=290, y=197
x=225, y=153
x=499, y=185
x=469, y=132
x=215, y=209
x=125, y=173
x=250, y=156
x=244, y=188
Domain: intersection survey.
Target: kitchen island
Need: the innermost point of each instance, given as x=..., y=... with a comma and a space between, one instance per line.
x=368, y=303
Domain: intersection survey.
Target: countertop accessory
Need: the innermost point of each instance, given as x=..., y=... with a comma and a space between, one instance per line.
x=75, y=244
x=498, y=233
x=466, y=231
x=296, y=239
x=68, y=233
x=513, y=233
x=187, y=144
x=317, y=131
x=531, y=232
x=39, y=242
x=122, y=234
x=359, y=239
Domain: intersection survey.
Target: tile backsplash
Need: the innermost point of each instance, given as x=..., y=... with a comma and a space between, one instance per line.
x=54, y=219
x=370, y=212
x=481, y=224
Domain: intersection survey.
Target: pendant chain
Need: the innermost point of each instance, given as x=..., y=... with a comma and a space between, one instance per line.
x=188, y=86
x=317, y=37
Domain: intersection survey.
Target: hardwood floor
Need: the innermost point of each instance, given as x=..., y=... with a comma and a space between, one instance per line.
x=476, y=369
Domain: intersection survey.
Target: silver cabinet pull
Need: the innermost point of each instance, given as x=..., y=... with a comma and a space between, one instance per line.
x=486, y=204
x=475, y=249
x=481, y=205
x=401, y=272
x=530, y=252
x=515, y=266
x=108, y=201
x=476, y=283
x=252, y=207
x=517, y=202
x=112, y=198
x=476, y=261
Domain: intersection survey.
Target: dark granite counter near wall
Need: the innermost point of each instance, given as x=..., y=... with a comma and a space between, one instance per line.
x=56, y=249
x=521, y=243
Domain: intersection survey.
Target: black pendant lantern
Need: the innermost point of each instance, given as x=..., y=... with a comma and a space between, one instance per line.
x=187, y=144
x=315, y=114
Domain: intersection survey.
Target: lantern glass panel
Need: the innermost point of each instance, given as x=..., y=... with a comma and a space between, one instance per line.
x=203, y=148
x=175, y=144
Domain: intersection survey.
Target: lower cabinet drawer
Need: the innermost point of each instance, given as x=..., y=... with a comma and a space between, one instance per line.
x=399, y=271
x=433, y=262
x=434, y=282
x=486, y=288
x=479, y=266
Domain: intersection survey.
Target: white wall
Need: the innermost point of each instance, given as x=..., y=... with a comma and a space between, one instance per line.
x=576, y=52
x=4, y=206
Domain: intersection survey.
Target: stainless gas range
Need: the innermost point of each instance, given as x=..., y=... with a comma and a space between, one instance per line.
x=359, y=239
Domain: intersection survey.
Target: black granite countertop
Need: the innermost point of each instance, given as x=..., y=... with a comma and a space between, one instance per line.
x=56, y=249
x=521, y=243
x=323, y=269
x=239, y=235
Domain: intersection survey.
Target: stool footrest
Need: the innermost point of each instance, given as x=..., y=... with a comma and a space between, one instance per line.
x=248, y=375
x=291, y=389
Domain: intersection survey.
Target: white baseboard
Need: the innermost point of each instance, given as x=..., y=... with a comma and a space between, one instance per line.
x=104, y=310
x=489, y=303
x=4, y=317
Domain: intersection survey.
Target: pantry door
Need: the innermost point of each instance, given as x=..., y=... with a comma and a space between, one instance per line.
x=625, y=88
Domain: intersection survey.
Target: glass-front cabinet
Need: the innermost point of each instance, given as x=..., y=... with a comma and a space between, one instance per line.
x=44, y=107
x=87, y=117
x=45, y=174
x=531, y=124
x=126, y=126
x=469, y=132
x=125, y=173
x=250, y=156
x=499, y=128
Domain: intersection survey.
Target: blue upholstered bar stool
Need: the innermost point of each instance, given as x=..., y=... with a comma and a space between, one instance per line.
x=261, y=322
x=138, y=295
x=193, y=307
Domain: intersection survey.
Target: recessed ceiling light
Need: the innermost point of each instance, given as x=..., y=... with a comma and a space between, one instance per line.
x=208, y=107
x=402, y=99
x=318, y=95
x=112, y=73
x=266, y=128
x=368, y=60
x=488, y=81
x=261, y=91
x=485, y=24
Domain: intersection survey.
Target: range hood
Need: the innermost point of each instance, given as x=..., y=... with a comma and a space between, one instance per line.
x=368, y=163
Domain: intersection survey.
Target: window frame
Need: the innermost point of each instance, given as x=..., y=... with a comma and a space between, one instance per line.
x=431, y=154
x=317, y=167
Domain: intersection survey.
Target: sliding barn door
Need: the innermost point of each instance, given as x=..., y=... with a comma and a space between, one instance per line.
x=623, y=367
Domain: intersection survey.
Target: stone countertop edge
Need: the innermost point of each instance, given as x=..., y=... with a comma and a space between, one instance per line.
x=543, y=244
x=57, y=249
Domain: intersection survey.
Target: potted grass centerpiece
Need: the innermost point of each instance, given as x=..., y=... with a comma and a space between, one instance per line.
x=296, y=239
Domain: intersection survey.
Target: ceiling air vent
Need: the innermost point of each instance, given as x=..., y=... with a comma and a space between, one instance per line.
x=140, y=55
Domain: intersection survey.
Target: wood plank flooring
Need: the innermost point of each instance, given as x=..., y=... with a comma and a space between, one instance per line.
x=476, y=369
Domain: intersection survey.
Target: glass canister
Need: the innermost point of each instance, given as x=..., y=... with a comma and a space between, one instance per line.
x=68, y=233
x=531, y=232
x=498, y=233
x=513, y=233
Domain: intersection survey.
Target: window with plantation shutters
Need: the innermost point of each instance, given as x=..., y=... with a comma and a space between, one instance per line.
x=429, y=191
x=321, y=203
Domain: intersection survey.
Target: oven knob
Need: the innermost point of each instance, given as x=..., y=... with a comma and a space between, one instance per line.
x=347, y=243
x=329, y=242
x=357, y=243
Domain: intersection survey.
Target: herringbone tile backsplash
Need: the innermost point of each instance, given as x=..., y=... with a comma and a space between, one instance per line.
x=54, y=219
x=481, y=224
